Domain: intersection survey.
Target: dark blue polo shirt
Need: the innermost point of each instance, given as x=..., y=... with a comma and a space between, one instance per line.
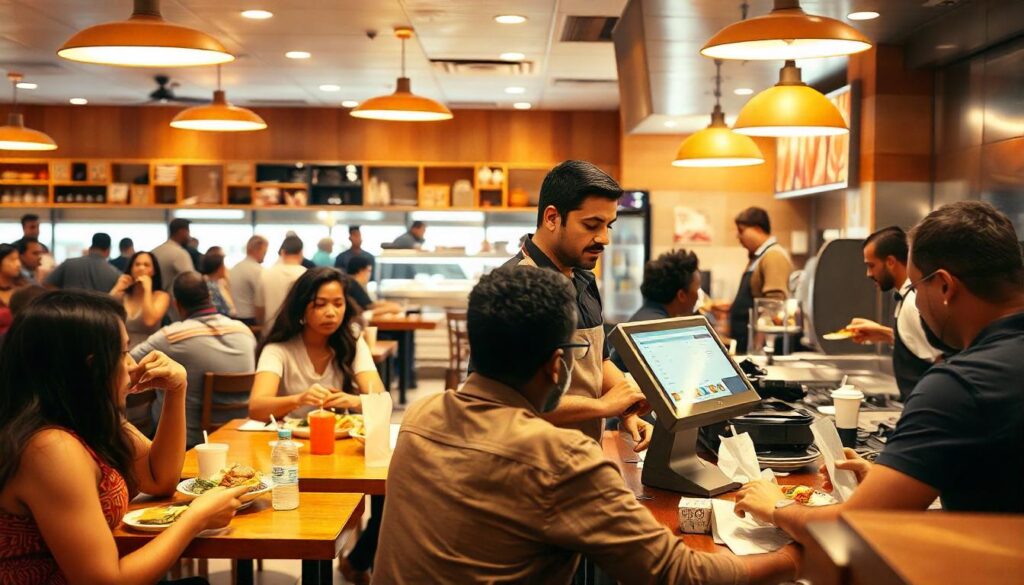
x=649, y=311
x=962, y=428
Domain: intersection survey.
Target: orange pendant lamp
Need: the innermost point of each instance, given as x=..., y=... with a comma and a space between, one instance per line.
x=790, y=108
x=403, y=105
x=786, y=33
x=717, y=145
x=15, y=136
x=218, y=116
x=144, y=40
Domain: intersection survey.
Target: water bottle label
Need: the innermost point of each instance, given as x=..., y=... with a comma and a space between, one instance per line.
x=285, y=475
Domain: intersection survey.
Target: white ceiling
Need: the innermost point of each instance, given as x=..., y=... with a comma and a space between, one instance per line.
x=334, y=31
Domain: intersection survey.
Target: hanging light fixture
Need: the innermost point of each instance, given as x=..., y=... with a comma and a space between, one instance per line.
x=786, y=33
x=144, y=40
x=790, y=108
x=717, y=145
x=218, y=116
x=15, y=136
x=403, y=105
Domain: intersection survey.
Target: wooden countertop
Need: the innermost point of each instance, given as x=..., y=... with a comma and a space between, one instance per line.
x=407, y=323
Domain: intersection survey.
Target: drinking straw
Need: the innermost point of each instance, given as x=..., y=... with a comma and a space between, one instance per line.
x=206, y=437
x=273, y=421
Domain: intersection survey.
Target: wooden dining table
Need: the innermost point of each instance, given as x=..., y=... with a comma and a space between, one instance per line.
x=311, y=533
x=343, y=471
x=405, y=326
x=664, y=504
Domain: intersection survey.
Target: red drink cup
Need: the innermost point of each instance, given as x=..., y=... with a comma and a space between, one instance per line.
x=321, y=432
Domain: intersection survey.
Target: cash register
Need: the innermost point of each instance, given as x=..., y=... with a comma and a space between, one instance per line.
x=690, y=381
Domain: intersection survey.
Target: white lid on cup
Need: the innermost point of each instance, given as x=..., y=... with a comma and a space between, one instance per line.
x=847, y=392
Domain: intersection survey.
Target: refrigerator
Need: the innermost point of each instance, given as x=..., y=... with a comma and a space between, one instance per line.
x=624, y=259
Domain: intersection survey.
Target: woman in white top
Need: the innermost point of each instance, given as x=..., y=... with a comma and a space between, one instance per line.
x=141, y=292
x=311, y=356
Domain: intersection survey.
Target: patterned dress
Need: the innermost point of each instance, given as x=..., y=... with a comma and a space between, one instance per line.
x=24, y=556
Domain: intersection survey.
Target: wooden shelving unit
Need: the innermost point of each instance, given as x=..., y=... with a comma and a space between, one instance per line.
x=261, y=185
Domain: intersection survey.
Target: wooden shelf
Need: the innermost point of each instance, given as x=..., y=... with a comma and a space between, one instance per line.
x=280, y=185
x=16, y=182
x=81, y=183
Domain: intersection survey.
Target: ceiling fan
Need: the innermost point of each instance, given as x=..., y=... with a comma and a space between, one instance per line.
x=164, y=93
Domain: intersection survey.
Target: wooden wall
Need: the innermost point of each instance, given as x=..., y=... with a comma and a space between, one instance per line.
x=534, y=137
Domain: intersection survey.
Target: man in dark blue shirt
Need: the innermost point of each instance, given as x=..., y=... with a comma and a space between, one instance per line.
x=671, y=288
x=962, y=428
x=355, y=236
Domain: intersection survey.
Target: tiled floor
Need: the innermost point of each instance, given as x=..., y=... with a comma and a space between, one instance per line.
x=282, y=572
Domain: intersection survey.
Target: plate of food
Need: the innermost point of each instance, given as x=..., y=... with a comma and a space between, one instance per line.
x=808, y=496
x=155, y=518
x=359, y=434
x=838, y=335
x=343, y=424
x=234, y=476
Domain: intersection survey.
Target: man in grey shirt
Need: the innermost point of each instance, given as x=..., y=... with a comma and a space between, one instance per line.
x=412, y=239
x=90, y=272
x=245, y=279
x=172, y=256
x=205, y=341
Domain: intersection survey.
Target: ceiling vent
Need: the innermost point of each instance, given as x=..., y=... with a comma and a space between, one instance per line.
x=594, y=83
x=271, y=103
x=473, y=105
x=482, y=67
x=588, y=29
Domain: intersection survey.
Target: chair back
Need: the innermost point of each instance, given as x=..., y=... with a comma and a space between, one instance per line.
x=458, y=348
x=223, y=384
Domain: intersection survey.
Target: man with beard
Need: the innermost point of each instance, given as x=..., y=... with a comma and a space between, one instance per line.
x=578, y=205
x=961, y=431
x=914, y=351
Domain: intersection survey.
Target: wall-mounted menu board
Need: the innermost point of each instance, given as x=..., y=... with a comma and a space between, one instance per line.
x=815, y=164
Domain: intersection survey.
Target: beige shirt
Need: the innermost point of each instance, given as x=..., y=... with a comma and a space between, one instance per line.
x=771, y=274
x=482, y=490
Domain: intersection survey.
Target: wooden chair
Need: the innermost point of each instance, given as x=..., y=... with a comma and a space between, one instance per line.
x=223, y=384
x=458, y=348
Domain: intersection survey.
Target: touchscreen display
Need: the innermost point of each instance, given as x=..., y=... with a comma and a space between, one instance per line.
x=689, y=365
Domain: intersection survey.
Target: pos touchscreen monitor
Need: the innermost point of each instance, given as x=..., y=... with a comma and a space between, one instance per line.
x=690, y=381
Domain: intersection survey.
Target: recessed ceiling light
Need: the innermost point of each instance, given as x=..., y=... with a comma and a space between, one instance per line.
x=515, y=90
x=743, y=91
x=522, y=105
x=510, y=19
x=349, y=103
x=78, y=101
x=513, y=56
x=298, y=55
x=671, y=123
x=26, y=85
x=945, y=46
x=864, y=15
x=257, y=14
x=330, y=87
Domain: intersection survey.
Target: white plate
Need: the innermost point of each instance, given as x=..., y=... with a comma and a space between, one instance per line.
x=185, y=488
x=298, y=444
x=131, y=519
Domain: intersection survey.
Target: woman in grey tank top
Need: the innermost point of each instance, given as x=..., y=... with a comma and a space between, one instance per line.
x=141, y=292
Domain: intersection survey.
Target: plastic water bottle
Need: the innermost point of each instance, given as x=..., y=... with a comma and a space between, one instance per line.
x=284, y=461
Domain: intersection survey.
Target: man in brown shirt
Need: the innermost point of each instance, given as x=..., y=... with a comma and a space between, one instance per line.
x=481, y=489
x=767, y=272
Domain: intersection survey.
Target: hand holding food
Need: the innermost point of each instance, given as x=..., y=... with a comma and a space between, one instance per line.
x=215, y=508
x=867, y=331
x=156, y=370
x=342, y=400
x=316, y=395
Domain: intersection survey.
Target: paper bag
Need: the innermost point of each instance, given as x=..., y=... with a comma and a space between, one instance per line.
x=826, y=437
x=377, y=420
x=738, y=460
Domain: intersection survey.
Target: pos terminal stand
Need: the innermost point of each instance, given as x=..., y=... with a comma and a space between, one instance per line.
x=690, y=381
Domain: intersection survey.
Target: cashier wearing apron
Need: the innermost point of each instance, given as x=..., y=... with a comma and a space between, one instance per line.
x=739, y=314
x=914, y=348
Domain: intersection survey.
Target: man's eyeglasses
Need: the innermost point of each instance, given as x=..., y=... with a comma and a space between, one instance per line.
x=913, y=286
x=578, y=351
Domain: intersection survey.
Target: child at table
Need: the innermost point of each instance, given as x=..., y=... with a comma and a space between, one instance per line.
x=69, y=462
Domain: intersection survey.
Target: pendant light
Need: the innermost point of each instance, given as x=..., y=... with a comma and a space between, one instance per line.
x=403, y=105
x=790, y=108
x=786, y=33
x=717, y=145
x=144, y=40
x=15, y=136
x=218, y=116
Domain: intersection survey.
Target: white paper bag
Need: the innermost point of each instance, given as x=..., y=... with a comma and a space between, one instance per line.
x=826, y=437
x=377, y=418
x=738, y=460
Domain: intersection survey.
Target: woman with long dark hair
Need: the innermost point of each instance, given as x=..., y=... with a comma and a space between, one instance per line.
x=142, y=293
x=311, y=357
x=69, y=463
x=11, y=280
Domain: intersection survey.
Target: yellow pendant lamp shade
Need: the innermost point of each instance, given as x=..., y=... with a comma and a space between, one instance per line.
x=403, y=105
x=15, y=136
x=218, y=116
x=718, y=146
x=790, y=108
x=144, y=40
x=786, y=33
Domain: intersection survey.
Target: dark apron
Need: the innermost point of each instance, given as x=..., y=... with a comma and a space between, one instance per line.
x=907, y=367
x=739, y=314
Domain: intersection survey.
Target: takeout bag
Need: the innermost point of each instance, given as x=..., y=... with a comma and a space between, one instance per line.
x=377, y=420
